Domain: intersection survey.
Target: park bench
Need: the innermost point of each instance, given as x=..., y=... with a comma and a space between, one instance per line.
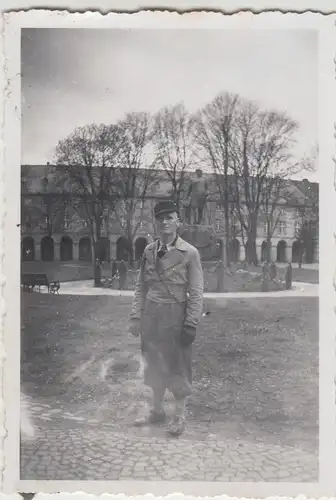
x=30, y=281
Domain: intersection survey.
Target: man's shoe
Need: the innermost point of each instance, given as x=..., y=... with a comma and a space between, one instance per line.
x=153, y=417
x=176, y=426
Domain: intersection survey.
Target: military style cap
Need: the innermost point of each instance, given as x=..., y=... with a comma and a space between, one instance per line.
x=165, y=207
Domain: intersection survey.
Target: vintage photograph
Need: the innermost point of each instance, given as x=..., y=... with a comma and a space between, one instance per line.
x=169, y=227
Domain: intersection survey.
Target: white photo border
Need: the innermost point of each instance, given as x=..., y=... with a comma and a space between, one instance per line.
x=10, y=244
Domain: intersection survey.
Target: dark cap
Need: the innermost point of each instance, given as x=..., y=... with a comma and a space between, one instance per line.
x=165, y=207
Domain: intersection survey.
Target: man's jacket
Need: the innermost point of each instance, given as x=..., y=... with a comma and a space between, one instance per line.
x=176, y=277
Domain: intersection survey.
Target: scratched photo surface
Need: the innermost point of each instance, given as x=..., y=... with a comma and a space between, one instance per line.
x=182, y=165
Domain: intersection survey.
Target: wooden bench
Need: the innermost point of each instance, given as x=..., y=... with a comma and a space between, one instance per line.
x=30, y=281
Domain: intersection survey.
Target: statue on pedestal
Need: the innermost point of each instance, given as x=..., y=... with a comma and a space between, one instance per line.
x=198, y=193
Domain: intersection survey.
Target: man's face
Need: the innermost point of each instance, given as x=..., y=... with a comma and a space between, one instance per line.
x=167, y=223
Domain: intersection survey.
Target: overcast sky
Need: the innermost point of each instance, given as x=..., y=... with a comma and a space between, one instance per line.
x=73, y=77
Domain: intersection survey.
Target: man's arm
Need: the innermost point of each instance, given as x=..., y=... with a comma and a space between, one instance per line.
x=195, y=289
x=140, y=292
x=190, y=190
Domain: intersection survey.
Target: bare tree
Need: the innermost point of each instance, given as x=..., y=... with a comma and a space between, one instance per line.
x=306, y=201
x=261, y=143
x=89, y=157
x=274, y=203
x=47, y=208
x=173, y=147
x=280, y=193
x=136, y=175
x=213, y=128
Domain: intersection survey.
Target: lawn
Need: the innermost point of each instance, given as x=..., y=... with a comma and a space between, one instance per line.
x=77, y=271
x=255, y=364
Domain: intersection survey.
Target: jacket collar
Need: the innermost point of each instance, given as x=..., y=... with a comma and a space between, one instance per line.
x=174, y=254
x=173, y=257
x=181, y=244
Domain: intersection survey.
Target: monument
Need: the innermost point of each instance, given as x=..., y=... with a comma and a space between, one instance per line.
x=195, y=230
x=198, y=192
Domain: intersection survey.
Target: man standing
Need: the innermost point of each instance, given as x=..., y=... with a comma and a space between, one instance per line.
x=122, y=275
x=167, y=308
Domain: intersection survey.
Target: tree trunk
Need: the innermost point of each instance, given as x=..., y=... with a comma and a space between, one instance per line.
x=251, y=242
x=129, y=243
x=302, y=251
x=226, y=205
x=130, y=252
x=97, y=271
x=268, y=249
x=224, y=256
x=96, y=260
x=227, y=233
x=252, y=249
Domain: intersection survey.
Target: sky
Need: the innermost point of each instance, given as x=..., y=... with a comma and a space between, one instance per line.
x=74, y=77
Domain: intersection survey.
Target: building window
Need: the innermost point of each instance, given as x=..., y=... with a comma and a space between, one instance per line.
x=122, y=221
x=297, y=228
x=282, y=228
x=217, y=225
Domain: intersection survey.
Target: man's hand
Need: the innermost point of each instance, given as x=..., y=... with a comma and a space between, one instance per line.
x=188, y=335
x=135, y=327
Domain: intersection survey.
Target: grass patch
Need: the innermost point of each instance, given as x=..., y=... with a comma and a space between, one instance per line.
x=255, y=363
x=78, y=271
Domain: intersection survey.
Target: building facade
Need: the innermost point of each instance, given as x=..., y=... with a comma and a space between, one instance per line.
x=52, y=229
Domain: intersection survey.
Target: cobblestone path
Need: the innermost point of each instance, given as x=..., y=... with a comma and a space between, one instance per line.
x=70, y=447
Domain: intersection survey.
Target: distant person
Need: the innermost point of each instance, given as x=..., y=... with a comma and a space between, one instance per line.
x=114, y=268
x=166, y=311
x=273, y=270
x=122, y=274
x=288, y=276
x=97, y=272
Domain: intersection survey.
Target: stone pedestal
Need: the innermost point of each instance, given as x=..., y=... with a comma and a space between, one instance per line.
x=201, y=236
